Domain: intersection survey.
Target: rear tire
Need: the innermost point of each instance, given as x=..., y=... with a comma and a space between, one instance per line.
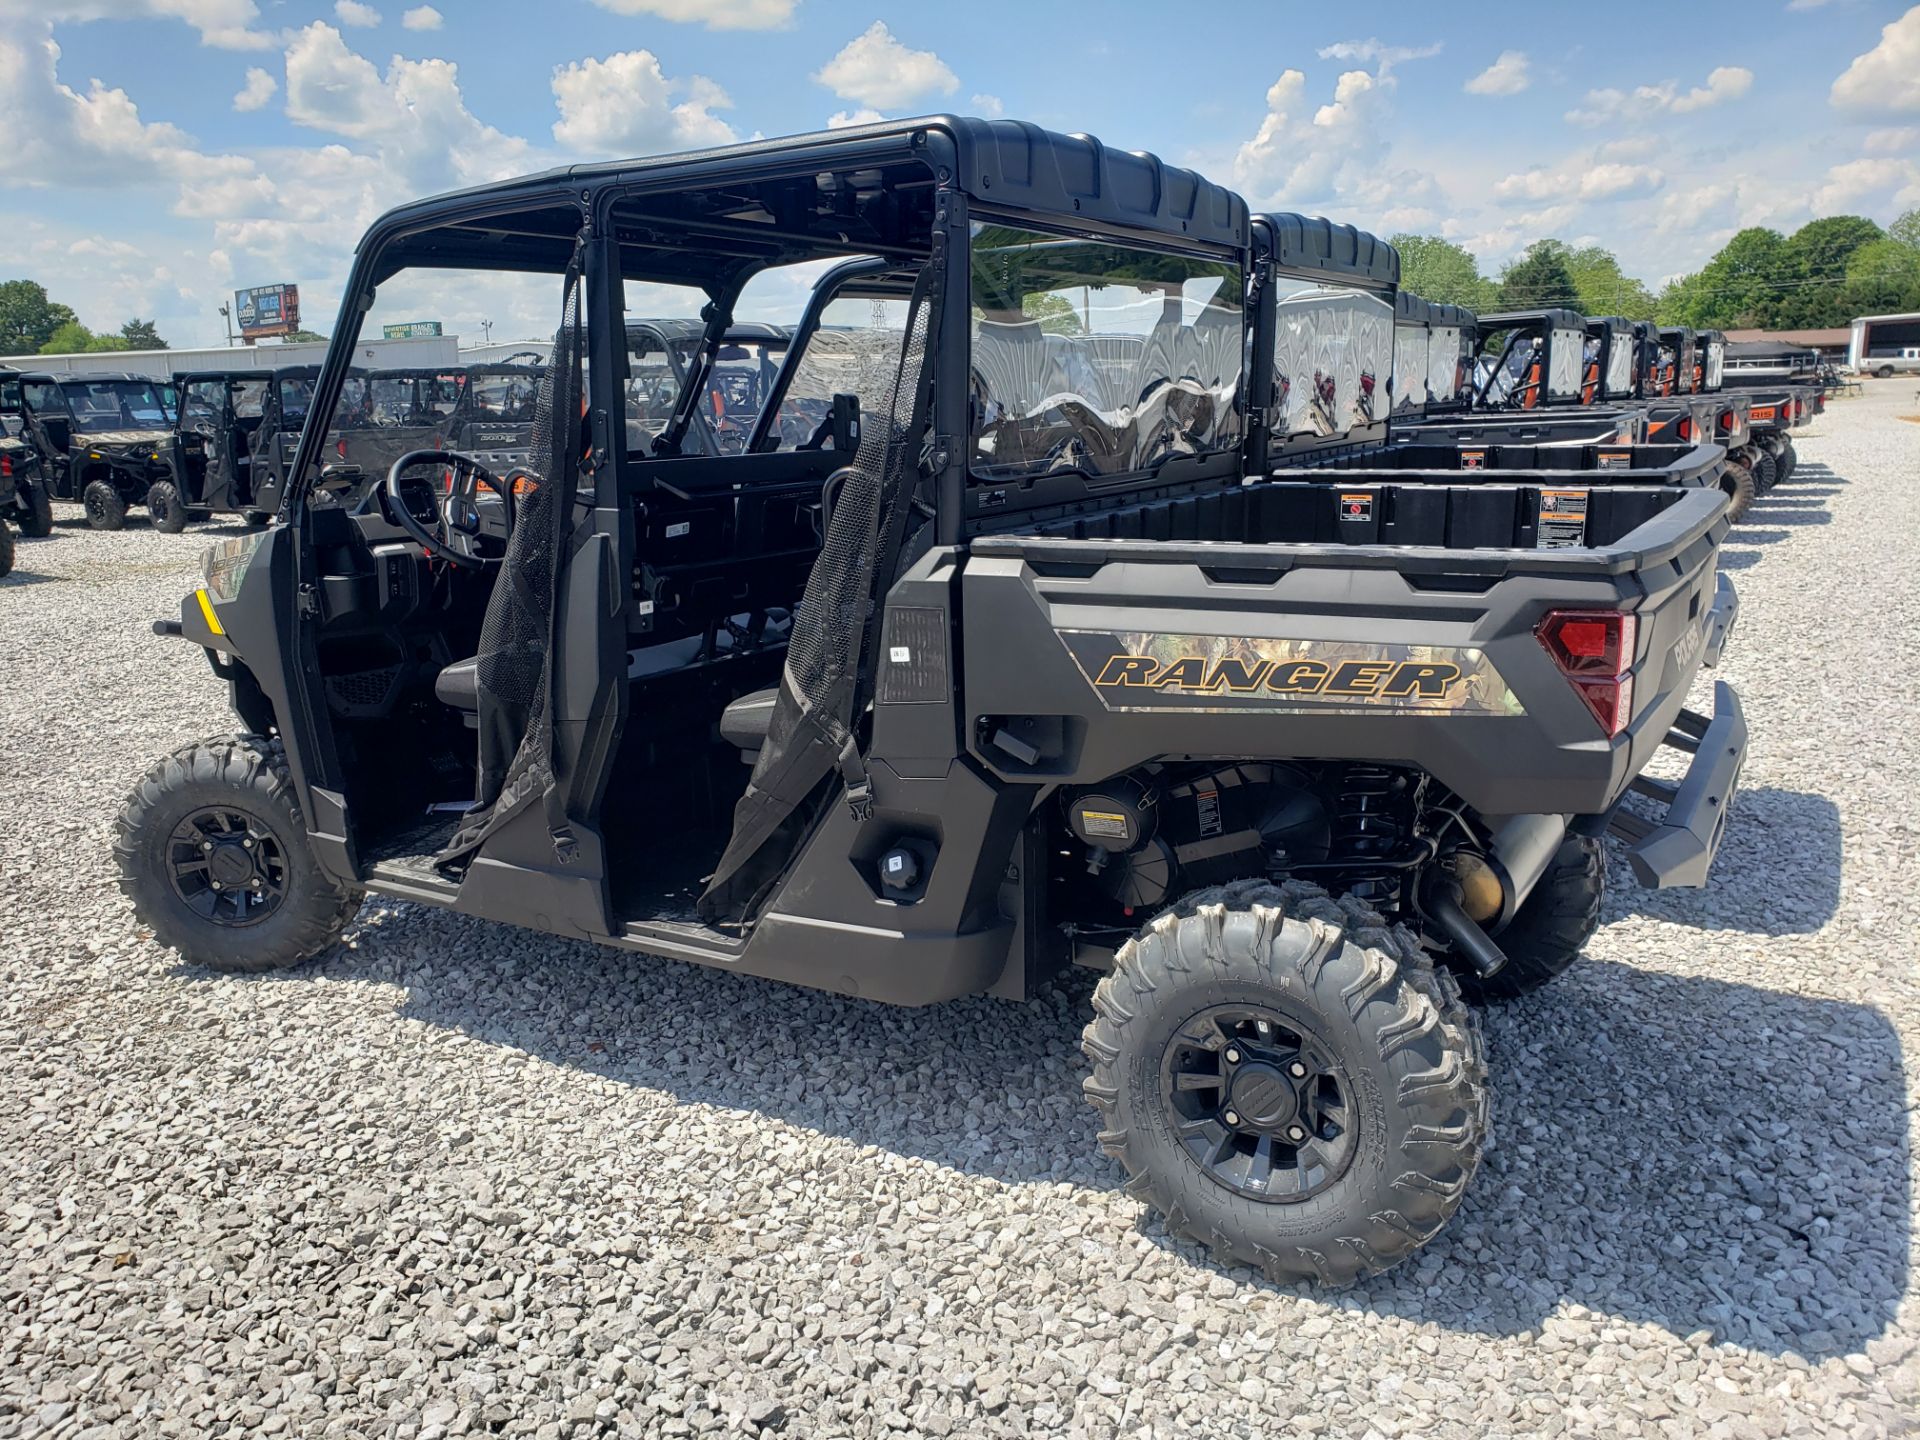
x=1766, y=472
x=1390, y=1087
x=1737, y=481
x=6, y=549
x=254, y=519
x=39, y=522
x=1552, y=925
x=1789, y=457
x=105, y=509
x=214, y=855
x=165, y=507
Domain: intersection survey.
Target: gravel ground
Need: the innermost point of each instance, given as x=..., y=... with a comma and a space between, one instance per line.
x=459, y=1178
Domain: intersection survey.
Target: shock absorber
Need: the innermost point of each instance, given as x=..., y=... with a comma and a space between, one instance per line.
x=1370, y=825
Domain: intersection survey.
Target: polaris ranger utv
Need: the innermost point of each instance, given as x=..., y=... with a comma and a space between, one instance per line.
x=24, y=496
x=237, y=429
x=107, y=441
x=1050, y=681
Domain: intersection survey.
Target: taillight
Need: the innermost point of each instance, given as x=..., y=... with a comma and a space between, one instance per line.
x=1685, y=428
x=1594, y=650
x=6, y=466
x=1726, y=422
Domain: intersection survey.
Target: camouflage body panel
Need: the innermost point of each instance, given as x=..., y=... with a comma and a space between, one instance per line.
x=1146, y=670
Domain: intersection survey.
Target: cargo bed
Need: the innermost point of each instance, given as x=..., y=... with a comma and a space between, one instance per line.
x=1441, y=576
x=1545, y=465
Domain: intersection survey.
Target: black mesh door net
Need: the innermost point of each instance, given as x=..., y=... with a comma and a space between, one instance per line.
x=823, y=686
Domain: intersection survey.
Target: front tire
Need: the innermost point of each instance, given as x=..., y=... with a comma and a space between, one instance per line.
x=38, y=523
x=165, y=507
x=6, y=549
x=1737, y=481
x=214, y=855
x=1552, y=925
x=1789, y=457
x=1288, y=1081
x=105, y=508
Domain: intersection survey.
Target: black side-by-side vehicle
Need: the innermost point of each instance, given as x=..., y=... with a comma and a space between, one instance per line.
x=1032, y=660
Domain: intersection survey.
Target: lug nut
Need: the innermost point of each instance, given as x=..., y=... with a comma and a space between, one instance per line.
x=247, y=843
x=1232, y=1118
x=1233, y=1056
x=1294, y=1132
x=216, y=885
x=206, y=847
x=1297, y=1070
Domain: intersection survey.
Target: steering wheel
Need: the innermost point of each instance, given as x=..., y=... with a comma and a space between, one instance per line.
x=458, y=507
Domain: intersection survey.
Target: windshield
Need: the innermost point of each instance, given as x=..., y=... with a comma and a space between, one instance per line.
x=295, y=396
x=503, y=396
x=1099, y=358
x=114, y=405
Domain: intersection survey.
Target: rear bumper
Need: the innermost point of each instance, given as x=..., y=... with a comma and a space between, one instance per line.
x=1726, y=610
x=1678, y=849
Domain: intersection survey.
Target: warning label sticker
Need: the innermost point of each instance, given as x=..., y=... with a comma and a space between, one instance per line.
x=1614, y=460
x=1356, y=507
x=1473, y=459
x=1563, y=518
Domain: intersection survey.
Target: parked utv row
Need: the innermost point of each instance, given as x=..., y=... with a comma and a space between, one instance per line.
x=219, y=442
x=1093, y=573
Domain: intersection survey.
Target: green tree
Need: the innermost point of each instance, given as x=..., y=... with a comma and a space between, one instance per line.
x=72, y=338
x=1541, y=277
x=1883, y=277
x=1907, y=229
x=1054, y=312
x=101, y=344
x=27, y=317
x=141, y=335
x=1441, y=271
x=298, y=337
x=1604, y=288
x=1815, y=270
x=1743, y=286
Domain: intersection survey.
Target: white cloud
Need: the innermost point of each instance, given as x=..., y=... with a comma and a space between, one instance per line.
x=1609, y=107
x=989, y=107
x=1891, y=142
x=714, y=14
x=352, y=12
x=422, y=17
x=1581, y=177
x=1849, y=183
x=415, y=116
x=842, y=119
x=1725, y=82
x=1886, y=79
x=625, y=105
x=258, y=90
x=1508, y=75
x=1807, y=4
x=1334, y=157
x=1383, y=56
x=225, y=24
x=876, y=70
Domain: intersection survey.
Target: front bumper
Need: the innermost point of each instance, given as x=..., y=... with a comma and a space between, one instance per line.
x=1678, y=849
x=1726, y=610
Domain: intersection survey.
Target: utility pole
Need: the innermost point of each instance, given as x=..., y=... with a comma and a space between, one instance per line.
x=486, y=332
x=226, y=314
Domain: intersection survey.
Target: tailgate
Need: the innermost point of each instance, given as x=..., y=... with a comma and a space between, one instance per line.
x=1105, y=654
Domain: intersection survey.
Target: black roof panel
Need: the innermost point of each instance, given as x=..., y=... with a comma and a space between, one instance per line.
x=1315, y=243
x=1553, y=318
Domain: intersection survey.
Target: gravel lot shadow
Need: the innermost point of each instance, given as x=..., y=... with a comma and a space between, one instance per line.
x=1671, y=1150
x=18, y=577
x=1777, y=873
x=1683, y=1152
x=1738, y=559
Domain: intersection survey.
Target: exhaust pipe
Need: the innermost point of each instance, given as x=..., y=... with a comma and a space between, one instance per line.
x=1522, y=849
x=1470, y=942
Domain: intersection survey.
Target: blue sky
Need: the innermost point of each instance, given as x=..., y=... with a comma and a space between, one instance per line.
x=160, y=152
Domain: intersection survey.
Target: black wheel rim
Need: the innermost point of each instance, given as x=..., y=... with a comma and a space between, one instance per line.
x=1259, y=1103
x=96, y=507
x=226, y=867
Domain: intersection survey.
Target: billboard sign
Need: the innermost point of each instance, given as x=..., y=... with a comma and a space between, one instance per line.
x=411, y=330
x=267, y=310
